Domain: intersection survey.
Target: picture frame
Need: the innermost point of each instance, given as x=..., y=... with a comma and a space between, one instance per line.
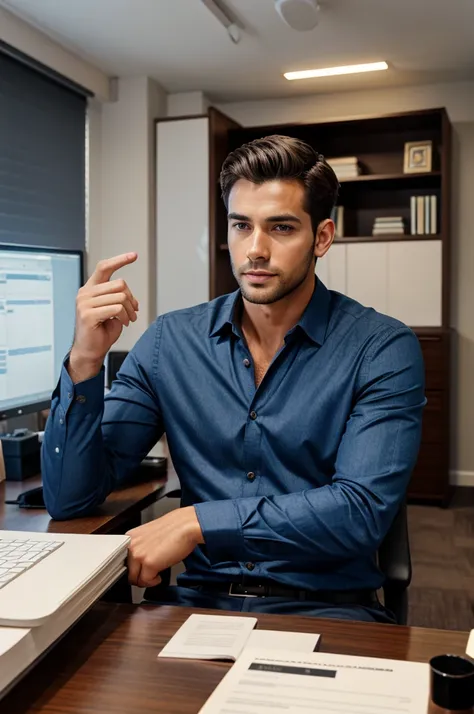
x=418, y=157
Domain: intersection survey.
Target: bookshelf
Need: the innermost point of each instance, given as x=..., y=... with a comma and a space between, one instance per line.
x=357, y=259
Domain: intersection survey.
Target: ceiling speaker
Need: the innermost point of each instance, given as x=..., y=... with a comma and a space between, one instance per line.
x=300, y=15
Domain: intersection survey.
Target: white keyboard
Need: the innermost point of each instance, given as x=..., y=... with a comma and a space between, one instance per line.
x=17, y=556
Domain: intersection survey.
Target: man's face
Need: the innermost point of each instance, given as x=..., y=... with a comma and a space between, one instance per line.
x=271, y=241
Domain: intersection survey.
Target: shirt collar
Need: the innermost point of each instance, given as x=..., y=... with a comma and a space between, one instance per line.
x=313, y=321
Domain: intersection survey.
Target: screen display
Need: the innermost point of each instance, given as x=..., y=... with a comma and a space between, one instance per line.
x=37, y=314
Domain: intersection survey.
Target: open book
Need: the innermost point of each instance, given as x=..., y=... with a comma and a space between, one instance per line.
x=226, y=637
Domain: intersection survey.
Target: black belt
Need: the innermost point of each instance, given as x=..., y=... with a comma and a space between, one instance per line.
x=365, y=598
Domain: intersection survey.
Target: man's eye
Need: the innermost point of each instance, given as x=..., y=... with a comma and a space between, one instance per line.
x=241, y=226
x=283, y=228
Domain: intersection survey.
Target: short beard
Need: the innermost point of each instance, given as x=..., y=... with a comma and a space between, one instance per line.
x=283, y=289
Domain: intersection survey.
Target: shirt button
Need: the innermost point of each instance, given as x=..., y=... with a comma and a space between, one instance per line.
x=251, y=476
x=57, y=449
x=253, y=415
x=250, y=566
x=80, y=398
x=246, y=362
x=61, y=421
x=69, y=395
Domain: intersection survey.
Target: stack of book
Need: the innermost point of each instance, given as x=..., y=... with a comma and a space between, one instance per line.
x=337, y=215
x=345, y=167
x=424, y=215
x=390, y=225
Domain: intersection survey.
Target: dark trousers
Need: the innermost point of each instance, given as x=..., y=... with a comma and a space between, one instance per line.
x=198, y=597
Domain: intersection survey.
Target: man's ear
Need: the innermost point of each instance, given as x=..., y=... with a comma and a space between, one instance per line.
x=324, y=237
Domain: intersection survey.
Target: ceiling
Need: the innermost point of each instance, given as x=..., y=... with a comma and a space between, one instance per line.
x=181, y=44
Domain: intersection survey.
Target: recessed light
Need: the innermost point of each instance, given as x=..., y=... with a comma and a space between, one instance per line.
x=331, y=71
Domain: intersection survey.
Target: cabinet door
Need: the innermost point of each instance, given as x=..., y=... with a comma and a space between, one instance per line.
x=367, y=273
x=182, y=213
x=414, y=282
x=332, y=269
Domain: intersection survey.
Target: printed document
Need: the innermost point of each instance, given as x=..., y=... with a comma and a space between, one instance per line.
x=265, y=683
x=225, y=637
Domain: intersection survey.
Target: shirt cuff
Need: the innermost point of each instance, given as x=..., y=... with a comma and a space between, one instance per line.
x=87, y=396
x=221, y=530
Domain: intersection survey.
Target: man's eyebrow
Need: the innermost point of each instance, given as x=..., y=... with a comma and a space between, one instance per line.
x=284, y=217
x=237, y=217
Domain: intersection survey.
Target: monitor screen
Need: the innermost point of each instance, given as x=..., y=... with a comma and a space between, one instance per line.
x=37, y=312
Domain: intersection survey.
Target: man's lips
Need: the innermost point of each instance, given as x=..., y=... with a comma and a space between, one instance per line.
x=259, y=276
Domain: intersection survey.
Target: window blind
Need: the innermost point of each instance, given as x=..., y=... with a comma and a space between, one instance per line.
x=42, y=158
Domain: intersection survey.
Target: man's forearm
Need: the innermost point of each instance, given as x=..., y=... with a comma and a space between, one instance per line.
x=325, y=524
x=76, y=476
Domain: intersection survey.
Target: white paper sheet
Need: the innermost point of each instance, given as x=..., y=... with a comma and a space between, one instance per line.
x=263, y=683
x=210, y=637
x=287, y=641
x=226, y=637
x=470, y=645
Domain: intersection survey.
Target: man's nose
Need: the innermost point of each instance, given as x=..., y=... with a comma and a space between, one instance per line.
x=259, y=247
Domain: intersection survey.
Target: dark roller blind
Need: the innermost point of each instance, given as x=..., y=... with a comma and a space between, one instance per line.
x=42, y=159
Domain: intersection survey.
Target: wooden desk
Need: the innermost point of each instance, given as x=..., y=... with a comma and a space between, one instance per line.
x=108, y=662
x=120, y=509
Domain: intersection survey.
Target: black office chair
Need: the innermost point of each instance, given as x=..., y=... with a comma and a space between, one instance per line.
x=395, y=563
x=393, y=558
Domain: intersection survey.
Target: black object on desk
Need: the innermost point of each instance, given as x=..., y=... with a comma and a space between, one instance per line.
x=30, y=499
x=151, y=468
x=21, y=454
x=452, y=683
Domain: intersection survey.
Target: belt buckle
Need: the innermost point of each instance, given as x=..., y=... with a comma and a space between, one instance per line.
x=243, y=593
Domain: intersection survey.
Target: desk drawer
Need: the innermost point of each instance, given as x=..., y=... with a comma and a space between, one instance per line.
x=430, y=477
x=435, y=351
x=434, y=422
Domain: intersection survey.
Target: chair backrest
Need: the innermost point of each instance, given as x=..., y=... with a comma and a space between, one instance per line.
x=395, y=563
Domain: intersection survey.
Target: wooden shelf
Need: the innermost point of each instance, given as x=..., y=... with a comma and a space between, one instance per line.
x=390, y=177
x=385, y=238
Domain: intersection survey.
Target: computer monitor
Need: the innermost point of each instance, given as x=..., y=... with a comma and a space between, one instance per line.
x=38, y=290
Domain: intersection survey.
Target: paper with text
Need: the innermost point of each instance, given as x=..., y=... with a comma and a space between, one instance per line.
x=264, y=683
x=210, y=637
x=226, y=637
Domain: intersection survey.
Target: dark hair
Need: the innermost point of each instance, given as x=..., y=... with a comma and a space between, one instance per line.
x=282, y=157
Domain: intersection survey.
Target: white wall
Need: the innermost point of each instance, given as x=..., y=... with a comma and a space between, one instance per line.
x=121, y=213
x=36, y=44
x=187, y=103
x=458, y=98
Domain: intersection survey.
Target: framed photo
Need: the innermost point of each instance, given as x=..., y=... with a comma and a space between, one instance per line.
x=418, y=157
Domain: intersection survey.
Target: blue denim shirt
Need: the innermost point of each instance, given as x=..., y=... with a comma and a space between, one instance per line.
x=297, y=481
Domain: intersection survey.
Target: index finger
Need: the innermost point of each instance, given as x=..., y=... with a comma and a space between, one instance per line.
x=106, y=268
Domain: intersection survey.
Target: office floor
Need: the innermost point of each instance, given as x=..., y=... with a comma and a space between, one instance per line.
x=442, y=549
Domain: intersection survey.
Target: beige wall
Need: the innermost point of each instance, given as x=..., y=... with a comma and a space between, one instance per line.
x=458, y=98
x=34, y=43
x=186, y=103
x=463, y=304
x=122, y=195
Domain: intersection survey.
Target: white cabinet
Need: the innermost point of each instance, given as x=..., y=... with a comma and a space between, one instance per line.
x=332, y=269
x=182, y=213
x=414, y=282
x=399, y=278
x=367, y=270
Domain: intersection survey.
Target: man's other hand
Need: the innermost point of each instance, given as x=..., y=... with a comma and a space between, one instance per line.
x=160, y=544
x=103, y=308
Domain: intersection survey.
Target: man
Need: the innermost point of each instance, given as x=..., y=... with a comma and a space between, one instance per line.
x=292, y=413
